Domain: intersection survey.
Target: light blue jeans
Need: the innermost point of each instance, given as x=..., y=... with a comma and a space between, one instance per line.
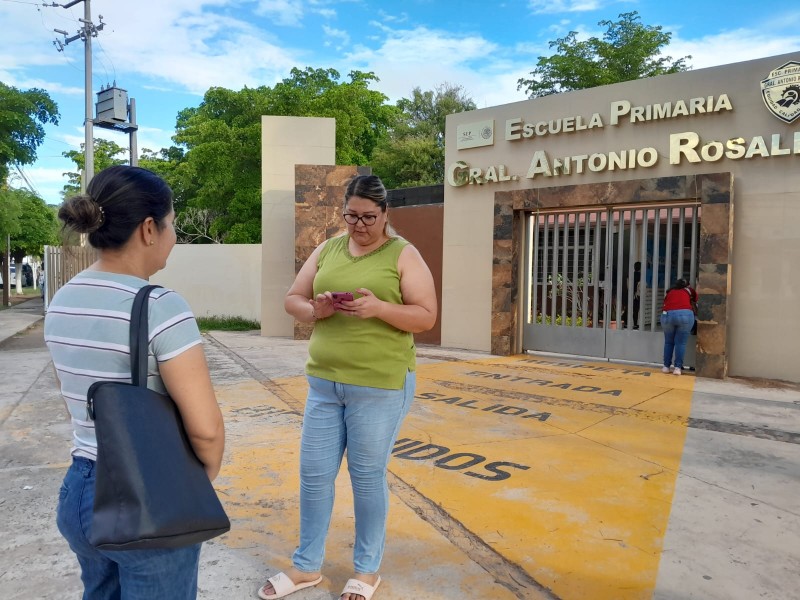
x=169, y=574
x=676, y=325
x=365, y=421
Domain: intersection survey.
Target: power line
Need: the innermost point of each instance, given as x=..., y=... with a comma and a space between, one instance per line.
x=85, y=34
x=113, y=68
x=27, y=181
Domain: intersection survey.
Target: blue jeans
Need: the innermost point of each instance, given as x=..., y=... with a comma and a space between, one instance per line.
x=676, y=325
x=169, y=574
x=365, y=421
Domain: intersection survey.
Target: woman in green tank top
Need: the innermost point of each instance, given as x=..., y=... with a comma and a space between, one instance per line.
x=361, y=373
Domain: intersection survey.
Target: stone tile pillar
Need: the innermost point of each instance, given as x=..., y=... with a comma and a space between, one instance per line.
x=318, y=203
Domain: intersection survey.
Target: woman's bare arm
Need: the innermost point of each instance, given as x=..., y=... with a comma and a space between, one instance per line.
x=188, y=382
x=300, y=301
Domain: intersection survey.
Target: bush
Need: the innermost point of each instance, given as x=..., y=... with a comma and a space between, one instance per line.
x=226, y=323
x=559, y=321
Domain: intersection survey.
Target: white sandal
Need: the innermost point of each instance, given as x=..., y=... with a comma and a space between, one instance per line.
x=356, y=586
x=284, y=586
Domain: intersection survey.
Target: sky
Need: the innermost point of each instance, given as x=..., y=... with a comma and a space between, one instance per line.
x=167, y=53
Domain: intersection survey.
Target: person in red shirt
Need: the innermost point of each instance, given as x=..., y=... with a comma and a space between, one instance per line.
x=677, y=319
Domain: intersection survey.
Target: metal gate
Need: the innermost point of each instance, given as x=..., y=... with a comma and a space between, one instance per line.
x=595, y=279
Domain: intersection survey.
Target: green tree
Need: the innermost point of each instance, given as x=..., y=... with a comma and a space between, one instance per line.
x=23, y=115
x=362, y=115
x=629, y=50
x=413, y=152
x=409, y=162
x=10, y=211
x=222, y=141
x=106, y=154
x=38, y=226
x=170, y=164
x=222, y=138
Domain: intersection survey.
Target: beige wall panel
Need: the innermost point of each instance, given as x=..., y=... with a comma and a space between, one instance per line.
x=462, y=264
x=216, y=279
x=285, y=142
x=764, y=326
x=763, y=192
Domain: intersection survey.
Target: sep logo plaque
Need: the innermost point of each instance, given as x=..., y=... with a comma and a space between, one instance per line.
x=474, y=135
x=781, y=91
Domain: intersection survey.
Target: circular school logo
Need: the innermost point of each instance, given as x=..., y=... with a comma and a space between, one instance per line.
x=781, y=91
x=486, y=132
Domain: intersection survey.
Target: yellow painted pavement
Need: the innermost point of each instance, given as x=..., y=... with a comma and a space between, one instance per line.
x=259, y=485
x=566, y=469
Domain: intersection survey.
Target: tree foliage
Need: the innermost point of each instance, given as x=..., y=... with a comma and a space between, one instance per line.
x=38, y=226
x=629, y=50
x=214, y=168
x=193, y=226
x=10, y=211
x=23, y=115
x=106, y=154
x=222, y=138
x=413, y=152
x=362, y=115
x=220, y=171
x=170, y=164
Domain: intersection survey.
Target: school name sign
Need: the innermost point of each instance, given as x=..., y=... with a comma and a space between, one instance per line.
x=684, y=146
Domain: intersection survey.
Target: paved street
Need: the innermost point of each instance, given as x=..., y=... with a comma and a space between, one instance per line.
x=513, y=477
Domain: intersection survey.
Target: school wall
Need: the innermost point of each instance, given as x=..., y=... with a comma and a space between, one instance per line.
x=763, y=329
x=216, y=279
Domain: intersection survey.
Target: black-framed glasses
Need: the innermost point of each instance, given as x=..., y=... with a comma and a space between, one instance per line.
x=352, y=219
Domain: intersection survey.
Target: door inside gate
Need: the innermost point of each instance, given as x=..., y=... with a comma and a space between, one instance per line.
x=595, y=279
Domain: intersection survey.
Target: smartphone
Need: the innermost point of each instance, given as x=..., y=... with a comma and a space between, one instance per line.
x=342, y=296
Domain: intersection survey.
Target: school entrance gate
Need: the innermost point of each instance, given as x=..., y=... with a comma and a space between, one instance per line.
x=595, y=279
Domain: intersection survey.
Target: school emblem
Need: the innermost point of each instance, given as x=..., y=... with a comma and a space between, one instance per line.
x=781, y=91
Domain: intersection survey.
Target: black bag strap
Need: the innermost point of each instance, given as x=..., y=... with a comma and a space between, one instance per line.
x=139, y=336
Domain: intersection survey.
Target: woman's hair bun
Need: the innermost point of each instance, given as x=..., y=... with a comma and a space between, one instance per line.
x=81, y=214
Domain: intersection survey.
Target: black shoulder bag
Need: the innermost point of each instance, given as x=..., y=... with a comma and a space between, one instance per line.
x=151, y=491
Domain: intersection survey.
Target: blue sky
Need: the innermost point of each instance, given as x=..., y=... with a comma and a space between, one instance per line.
x=167, y=53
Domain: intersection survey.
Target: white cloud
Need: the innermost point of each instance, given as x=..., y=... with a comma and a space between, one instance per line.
x=539, y=7
x=731, y=46
x=47, y=182
x=52, y=87
x=335, y=34
x=284, y=12
x=427, y=58
x=395, y=19
x=195, y=49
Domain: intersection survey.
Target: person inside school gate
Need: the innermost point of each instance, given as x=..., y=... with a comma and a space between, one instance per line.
x=637, y=278
x=677, y=319
x=361, y=377
x=128, y=216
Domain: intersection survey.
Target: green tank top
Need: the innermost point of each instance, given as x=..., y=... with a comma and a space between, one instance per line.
x=367, y=352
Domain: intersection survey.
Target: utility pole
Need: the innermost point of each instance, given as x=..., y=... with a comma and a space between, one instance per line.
x=86, y=33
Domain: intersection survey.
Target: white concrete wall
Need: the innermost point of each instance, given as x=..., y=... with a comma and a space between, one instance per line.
x=285, y=142
x=216, y=279
x=764, y=326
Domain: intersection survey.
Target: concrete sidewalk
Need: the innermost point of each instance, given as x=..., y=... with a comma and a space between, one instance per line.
x=18, y=318
x=628, y=484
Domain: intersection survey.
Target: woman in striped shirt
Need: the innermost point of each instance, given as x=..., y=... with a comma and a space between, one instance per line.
x=128, y=216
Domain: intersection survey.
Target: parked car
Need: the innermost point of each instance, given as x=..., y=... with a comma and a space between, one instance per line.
x=27, y=275
x=12, y=275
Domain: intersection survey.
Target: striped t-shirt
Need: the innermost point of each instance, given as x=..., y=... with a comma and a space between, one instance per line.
x=87, y=332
